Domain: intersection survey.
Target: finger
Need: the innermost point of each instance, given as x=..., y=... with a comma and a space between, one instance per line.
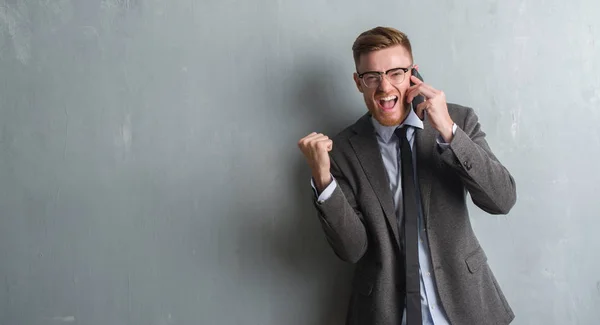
x=317, y=142
x=413, y=92
x=324, y=145
x=410, y=93
x=313, y=137
x=413, y=87
x=319, y=138
x=327, y=144
x=416, y=80
x=421, y=108
x=303, y=141
x=426, y=89
x=308, y=136
x=307, y=139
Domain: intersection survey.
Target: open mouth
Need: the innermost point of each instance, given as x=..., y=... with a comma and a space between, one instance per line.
x=388, y=103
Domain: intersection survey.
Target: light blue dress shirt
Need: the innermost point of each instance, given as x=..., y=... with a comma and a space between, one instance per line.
x=389, y=146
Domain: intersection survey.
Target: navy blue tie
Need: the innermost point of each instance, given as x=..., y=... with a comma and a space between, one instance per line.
x=411, y=232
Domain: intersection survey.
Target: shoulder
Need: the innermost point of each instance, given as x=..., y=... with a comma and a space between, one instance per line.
x=461, y=114
x=459, y=110
x=344, y=135
x=343, y=141
x=361, y=125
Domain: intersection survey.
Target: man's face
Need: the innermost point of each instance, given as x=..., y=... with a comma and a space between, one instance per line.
x=386, y=102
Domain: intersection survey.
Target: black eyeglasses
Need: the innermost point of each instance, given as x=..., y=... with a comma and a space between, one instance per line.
x=372, y=79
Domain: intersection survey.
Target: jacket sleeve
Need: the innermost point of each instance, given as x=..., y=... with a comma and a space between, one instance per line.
x=490, y=184
x=341, y=221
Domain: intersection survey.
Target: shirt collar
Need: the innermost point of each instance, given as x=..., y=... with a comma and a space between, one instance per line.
x=386, y=132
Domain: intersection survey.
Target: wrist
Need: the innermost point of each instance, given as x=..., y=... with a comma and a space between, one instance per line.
x=322, y=179
x=448, y=132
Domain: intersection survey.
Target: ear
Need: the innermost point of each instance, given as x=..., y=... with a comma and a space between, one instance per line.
x=358, y=83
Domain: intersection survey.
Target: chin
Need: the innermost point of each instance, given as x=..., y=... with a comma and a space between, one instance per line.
x=388, y=119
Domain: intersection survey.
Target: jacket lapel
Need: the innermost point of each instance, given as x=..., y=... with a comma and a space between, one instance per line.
x=365, y=146
x=425, y=143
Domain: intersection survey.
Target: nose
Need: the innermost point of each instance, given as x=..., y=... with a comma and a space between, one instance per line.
x=385, y=85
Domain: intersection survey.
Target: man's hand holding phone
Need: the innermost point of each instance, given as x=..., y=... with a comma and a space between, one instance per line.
x=434, y=107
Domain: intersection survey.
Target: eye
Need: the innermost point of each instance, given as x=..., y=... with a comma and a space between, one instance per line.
x=397, y=73
x=371, y=77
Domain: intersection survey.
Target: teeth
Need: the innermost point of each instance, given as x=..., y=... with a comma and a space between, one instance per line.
x=388, y=98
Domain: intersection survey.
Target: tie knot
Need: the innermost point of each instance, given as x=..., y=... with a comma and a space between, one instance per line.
x=401, y=132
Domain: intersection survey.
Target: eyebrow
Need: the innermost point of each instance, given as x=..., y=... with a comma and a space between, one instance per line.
x=379, y=72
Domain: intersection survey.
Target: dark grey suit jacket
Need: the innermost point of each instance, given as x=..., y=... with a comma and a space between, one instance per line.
x=360, y=224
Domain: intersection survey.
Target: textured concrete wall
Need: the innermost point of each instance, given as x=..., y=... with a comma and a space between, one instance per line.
x=149, y=172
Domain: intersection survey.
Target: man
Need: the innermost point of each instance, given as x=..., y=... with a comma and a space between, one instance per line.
x=391, y=195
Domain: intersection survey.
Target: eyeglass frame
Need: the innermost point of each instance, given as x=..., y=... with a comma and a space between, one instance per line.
x=361, y=75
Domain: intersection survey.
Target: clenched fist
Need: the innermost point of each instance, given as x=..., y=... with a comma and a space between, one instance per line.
x=316, y=147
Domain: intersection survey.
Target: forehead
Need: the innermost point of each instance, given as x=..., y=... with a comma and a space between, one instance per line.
x=385, y=59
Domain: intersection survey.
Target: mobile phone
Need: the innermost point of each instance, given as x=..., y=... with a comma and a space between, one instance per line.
x=418, y=99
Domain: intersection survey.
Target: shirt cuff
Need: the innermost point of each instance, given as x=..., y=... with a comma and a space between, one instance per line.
x=440, y=140
x=326, y=192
